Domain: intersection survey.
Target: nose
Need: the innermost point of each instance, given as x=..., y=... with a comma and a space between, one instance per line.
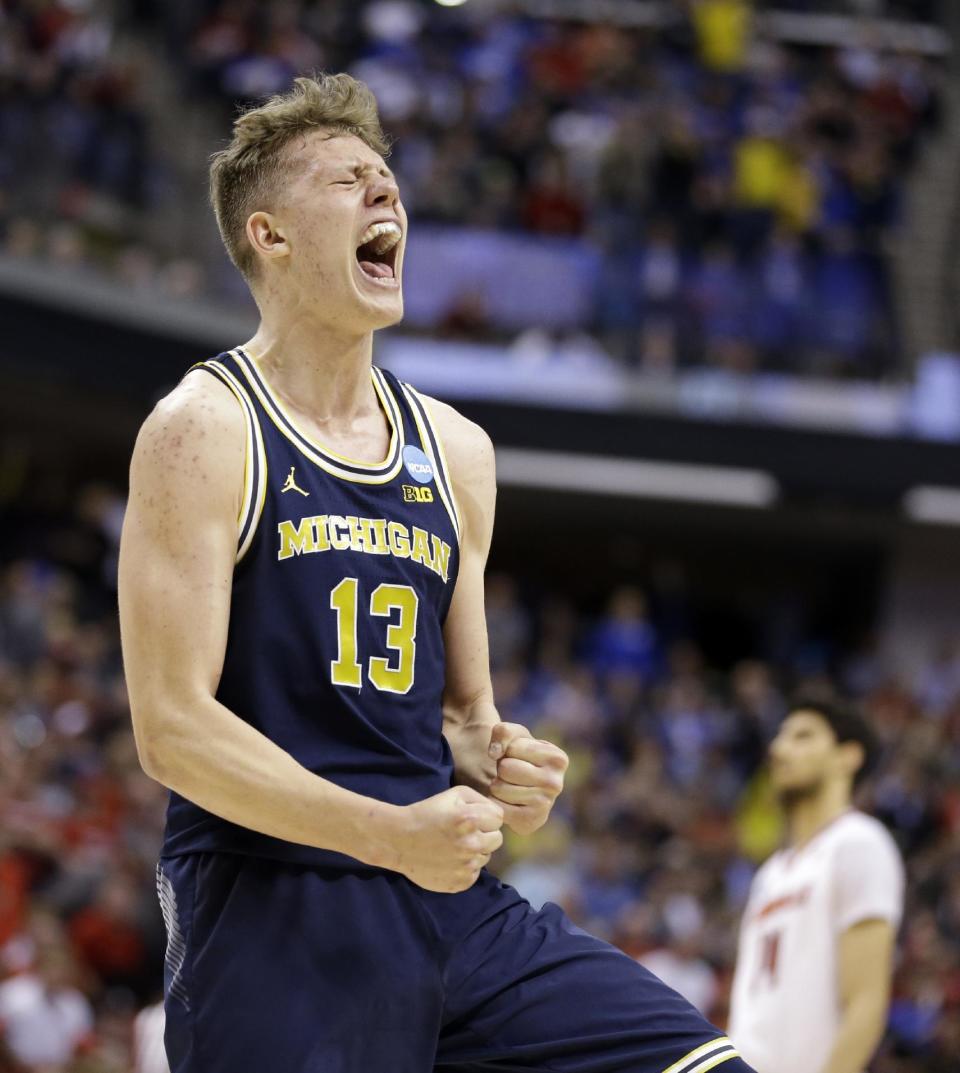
x=383, y=190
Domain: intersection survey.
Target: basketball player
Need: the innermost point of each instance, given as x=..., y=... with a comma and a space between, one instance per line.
x=812, y=983
x=303, y=629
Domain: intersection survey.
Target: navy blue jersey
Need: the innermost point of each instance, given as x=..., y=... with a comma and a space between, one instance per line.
x=344, y=576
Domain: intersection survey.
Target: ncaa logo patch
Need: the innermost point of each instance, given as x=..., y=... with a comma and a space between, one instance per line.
x=418, y=465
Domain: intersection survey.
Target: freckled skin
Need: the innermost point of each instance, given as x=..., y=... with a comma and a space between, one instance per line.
x=318, y=315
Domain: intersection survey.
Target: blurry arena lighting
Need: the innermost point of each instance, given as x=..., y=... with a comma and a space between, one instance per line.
x=933, y=504
x=451, y=3
x=636, y=479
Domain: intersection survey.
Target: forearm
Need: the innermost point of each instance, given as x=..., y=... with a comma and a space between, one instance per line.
x=467, y=728
x=861, y=1029
x=235, y=772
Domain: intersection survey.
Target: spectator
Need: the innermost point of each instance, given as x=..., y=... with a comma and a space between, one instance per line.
x=653, y=842
x=723, y=33
x=625, y=639
x=108, y=934
x=584, y=131
x=149, y=1055
x=679, y=963
x=508, y=622
x=46, y=1020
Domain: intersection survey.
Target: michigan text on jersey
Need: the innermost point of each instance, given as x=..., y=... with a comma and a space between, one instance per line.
x=372, y=536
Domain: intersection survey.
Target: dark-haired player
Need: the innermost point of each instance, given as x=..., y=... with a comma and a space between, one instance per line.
x=305, y=644
x=812, y=983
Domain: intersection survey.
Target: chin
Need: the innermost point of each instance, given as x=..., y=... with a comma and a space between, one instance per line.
x=790, y=792
x=376, y=311
x=386, y=318
x=375, y=320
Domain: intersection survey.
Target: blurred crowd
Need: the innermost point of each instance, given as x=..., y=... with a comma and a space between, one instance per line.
x=653, y=845
x=718, y=186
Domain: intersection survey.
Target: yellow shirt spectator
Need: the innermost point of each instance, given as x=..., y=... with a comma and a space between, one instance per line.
x=800, y=197
x=761, y=170
x=723, y=31
x=758, y=820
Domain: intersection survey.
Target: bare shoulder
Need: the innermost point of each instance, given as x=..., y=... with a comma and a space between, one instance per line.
x=200, y=406
x=195, y=435
x=468, y=448
x=472, y=467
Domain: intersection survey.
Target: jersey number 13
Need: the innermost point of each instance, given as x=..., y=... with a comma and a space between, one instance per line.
x=390, y=675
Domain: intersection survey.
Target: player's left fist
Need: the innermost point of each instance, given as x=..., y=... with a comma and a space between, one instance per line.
x=529, y=776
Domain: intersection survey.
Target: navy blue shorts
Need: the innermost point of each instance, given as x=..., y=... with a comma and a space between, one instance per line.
x=280, y=968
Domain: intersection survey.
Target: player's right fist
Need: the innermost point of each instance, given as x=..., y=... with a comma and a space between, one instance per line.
x=446, y=840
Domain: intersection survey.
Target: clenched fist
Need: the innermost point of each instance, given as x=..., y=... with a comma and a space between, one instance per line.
x=446, y=839
x=529, y=776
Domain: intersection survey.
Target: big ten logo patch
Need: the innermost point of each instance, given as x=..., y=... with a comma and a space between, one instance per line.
x=413, y=493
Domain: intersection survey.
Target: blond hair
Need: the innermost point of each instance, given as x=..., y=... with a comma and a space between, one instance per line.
x=245, y=173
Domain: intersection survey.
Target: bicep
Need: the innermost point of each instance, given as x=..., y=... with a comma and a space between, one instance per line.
x=177, y=554
x=465, y=638
x=465, y=629
x=866, y=961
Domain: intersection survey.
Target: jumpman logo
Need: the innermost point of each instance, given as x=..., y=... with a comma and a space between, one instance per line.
x=290, y=485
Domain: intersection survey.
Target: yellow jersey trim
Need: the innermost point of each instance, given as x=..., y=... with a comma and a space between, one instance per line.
x=443, y=456
x=708, y=1053
x=247, y=442
x=712, y=1063
x=442, y=481
x=253, y=497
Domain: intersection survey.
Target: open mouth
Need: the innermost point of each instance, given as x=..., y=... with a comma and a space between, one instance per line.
x=377, y=251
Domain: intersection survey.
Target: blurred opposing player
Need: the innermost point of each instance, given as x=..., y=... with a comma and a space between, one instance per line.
x=304, y=637
x=812, y=983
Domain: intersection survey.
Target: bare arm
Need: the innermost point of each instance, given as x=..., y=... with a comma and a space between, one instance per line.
x=469, y=712
x=176, y=569
x=865, y=966
x=520, y=772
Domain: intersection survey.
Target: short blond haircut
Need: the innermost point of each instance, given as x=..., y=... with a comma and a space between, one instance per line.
x=244, y=175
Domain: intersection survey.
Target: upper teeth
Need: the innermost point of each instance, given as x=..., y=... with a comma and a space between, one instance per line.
x=387, y=235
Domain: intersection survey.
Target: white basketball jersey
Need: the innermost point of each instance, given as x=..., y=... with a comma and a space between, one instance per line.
x=148, y=1050
x=785, y=1007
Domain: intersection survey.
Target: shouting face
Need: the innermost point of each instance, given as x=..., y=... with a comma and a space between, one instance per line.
x=336, y=232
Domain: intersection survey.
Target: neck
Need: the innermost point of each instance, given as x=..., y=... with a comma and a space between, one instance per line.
x=806, y=816
x=326, y=372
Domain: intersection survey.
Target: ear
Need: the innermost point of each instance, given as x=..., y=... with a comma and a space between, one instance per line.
x=267, y=236
x=852, y=757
